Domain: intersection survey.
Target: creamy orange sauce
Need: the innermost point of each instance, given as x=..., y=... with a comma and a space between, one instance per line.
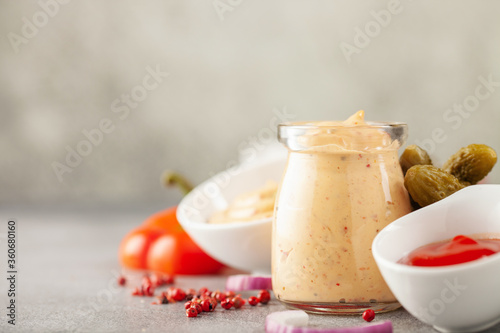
x=336, y=195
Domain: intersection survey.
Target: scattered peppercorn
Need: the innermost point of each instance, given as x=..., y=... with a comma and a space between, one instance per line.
x=178, y=294
x=253, y=301
x=369, y=315
x=191, y=312
x=203, y=300
x=162, y=299
x=206, y=305
x=238, y=302
x=227, y=304
x=121, y=280
x=158, y=280
x=206, y=294
x=219, y=296
x=264, y=296
x=197, y=306
x=196, y=300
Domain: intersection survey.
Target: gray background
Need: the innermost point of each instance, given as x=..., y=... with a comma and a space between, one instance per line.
x=227, y=73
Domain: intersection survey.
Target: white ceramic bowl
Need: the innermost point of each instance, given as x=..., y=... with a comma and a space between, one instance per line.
x=243, y=245
x=458, y=298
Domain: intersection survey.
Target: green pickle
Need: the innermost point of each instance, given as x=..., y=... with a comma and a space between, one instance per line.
x=413, y=155
x=427, y=184
x=472, y=163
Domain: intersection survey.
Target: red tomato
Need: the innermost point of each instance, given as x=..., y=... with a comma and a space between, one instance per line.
x=165, y=219
x=135, y=245
x=162, y=245
x=177, y=253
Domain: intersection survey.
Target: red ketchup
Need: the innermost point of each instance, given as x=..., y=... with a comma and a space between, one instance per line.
x=459, y=250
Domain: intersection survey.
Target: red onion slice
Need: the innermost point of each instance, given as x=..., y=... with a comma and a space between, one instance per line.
x=295, y=321
x=248, y=282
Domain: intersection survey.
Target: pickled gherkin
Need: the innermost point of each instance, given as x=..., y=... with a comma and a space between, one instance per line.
x=472, y=163
x=427, y=184
x=413, y=155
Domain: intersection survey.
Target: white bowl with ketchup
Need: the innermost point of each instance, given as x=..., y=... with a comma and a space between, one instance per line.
x=462, y=297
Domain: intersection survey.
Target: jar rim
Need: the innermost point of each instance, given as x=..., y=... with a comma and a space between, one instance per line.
x=289, y=132
x=318, y=125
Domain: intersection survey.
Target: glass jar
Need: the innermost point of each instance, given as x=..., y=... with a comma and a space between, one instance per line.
x=342, y=185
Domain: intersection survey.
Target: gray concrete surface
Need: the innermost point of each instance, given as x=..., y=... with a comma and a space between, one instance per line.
x=66, y=282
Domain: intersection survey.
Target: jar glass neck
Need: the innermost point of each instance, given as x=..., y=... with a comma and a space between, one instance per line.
x=367, y=138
